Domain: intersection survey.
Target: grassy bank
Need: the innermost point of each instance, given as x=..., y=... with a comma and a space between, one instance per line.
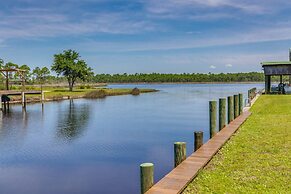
x=58, y=93
x=257, y=159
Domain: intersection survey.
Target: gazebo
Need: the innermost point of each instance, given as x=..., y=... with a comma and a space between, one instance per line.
x=5, y=72
x=276, y=68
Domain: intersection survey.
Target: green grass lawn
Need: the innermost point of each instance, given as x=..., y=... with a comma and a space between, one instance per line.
x=257, y=159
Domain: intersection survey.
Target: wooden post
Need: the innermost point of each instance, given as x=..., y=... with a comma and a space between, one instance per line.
x=267, y=84
x=198, y=140
x=289, y=60
x=179, y=152
x=23, y=100
x=42, y=96
x=4, y=106
x=146, y=177
x=230, y=108
x=236, y=105
x=222, y=113
x=249, y=97
x=212, y=117
x=241, y=102
x=7, y=81
x=1, y=102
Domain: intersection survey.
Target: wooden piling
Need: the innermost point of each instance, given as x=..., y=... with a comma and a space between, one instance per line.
x=146, y=177
x=230, y=108
x=241, y=102
x=222, y=113
x=1, y=102
x=4, y=103
x=236, y=105
x=42, y=96
x=179, y=152
x=267, y=84
x=23, y=100
x=212, y=117
x=198, y=140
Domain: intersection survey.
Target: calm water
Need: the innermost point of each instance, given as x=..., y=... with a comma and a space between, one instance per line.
x=96, y=146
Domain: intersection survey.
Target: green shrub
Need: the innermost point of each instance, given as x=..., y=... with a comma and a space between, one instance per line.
x=135, y=91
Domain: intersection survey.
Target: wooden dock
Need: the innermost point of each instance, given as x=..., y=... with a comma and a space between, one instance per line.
x=5, y=99
x=177, y=180
x=17, y=92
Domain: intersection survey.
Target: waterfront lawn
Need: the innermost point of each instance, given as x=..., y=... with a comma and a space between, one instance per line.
x=257, y=159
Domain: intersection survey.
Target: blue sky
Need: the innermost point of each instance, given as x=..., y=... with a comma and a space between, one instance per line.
x=144, y=36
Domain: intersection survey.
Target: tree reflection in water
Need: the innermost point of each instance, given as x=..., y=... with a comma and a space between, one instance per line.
x=72, y=123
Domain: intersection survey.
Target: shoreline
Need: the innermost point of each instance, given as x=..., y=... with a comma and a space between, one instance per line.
x=140, y=83
x=33, y=100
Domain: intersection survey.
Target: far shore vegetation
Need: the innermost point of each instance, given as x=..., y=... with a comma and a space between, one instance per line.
x=70, y=68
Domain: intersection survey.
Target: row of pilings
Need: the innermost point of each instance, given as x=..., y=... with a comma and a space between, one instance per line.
x=228, y=109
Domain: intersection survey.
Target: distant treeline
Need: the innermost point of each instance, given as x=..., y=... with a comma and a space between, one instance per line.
x=185, y=77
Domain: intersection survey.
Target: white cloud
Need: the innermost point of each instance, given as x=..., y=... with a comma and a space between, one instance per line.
x=35, y=23
x=228, y=65
x=164, y=7
x=212, y=67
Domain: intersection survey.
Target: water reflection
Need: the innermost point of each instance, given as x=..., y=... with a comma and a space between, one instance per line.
x=72, y=122
x=57, y=148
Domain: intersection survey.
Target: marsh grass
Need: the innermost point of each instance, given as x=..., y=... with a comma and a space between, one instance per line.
x=257, y=159
x=59, y=93
x=96, y=94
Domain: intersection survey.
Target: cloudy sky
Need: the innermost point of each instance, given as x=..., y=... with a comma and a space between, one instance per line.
x=143, y=36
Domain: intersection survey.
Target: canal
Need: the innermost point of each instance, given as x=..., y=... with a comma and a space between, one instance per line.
x=96, y=146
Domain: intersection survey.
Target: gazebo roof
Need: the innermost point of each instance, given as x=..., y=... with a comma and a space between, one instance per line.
x=276, y=63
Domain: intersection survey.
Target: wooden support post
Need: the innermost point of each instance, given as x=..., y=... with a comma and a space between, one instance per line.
x=179, y=152
x=212, y=117
x=42, y=96
x=7, y=81
x=1, y=102
x=146, y=177
x=267, y=84
x=289, y=60
x=23, y=100
x=230, y=108
x=198, y=140
x=5, y=109
x=241, y=102
x=249, y=97
x=236, y=105
x=222, y=113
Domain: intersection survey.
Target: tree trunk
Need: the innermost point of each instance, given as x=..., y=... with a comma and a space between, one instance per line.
x=70, y=84
x=71, y=87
